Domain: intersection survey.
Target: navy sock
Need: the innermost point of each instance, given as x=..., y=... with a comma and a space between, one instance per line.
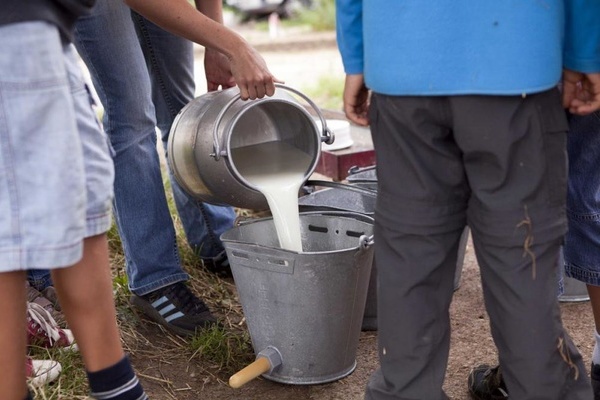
x=29, y=396
x=118, y=382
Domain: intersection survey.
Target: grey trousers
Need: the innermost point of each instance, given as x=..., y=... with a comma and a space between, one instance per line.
x=498, y=164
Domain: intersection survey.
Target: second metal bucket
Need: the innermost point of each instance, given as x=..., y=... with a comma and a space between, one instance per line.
x=359, y=196
x=303, y=310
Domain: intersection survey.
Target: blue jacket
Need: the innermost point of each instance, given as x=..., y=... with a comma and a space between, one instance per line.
x=445, y=47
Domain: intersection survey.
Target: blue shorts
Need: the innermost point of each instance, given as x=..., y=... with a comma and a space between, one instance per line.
x=56, y=170
x=582, y=242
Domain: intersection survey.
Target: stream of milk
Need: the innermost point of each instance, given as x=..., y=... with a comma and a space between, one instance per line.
x=277, y=170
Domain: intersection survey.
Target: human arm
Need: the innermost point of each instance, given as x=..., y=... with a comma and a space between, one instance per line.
x=181, y=18
x=350, y=45
x=581, y=74
x=356, y=99
x=216, y=65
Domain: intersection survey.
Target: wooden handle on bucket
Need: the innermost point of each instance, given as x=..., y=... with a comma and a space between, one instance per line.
x=260, y=366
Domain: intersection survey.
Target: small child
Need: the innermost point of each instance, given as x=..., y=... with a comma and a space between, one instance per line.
x=56, y=190
x=56, y=177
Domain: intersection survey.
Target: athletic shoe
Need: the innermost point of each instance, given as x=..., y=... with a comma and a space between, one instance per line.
x=50, y=293
x=595, y=375
x=43, y=331
x=218, y=265
x=41, y=372
x=486, y=383
x=176, y=308
x=48, y=300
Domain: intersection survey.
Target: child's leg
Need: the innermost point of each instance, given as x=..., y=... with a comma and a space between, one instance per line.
x=85, y=295
x=12, y=335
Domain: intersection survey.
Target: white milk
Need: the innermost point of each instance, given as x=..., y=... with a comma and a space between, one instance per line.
x=277, y=170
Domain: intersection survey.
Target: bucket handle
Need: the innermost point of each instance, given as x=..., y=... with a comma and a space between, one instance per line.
x=355, y=169
x=366, y=241
x=327, y=135
x=339, y=185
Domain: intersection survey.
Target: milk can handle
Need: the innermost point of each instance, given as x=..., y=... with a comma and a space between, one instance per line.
x=327, y=136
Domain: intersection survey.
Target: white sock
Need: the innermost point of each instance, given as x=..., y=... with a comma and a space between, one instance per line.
x=596, y=353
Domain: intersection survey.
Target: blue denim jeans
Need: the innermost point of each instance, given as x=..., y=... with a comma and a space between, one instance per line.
x=170, y=61
x=582, y=242
x=139, y=94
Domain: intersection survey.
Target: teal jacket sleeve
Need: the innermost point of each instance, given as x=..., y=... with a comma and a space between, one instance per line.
x=582, y=35
x=349, y=31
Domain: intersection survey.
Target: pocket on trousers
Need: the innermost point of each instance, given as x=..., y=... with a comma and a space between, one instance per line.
x=554, y=124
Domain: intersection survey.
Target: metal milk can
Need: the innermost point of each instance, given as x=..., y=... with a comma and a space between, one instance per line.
x=205, y=132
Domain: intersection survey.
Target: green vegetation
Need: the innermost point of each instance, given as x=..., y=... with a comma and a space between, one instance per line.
x=320, y=17
x=327, y=92
x=229, y=351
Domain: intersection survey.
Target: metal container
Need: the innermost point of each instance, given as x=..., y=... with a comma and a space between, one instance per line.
x=362, y=175
x=573, y=291
x=207, y=129
x=360, y=196
x=303, y=310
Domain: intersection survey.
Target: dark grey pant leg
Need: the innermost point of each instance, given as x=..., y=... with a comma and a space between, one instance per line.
x=420, y=216
x=538, y=357
x=413, y=317
x=515, y=159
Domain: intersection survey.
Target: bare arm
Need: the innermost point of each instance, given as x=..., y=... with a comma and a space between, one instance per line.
x=181, y=18
x=217, y=68
x=356, y=99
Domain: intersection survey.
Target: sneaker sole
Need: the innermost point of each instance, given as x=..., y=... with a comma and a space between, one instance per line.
x=155, y=316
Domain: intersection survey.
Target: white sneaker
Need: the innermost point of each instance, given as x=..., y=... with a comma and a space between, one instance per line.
x=41, y=372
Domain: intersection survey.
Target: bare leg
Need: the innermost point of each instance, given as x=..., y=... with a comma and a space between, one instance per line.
x=594, y=292
x=13, y=342
x=85, y=294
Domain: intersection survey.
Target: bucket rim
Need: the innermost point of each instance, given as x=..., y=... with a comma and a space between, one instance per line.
x=361, y=242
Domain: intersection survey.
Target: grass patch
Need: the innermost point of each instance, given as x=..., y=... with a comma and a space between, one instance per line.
x=226, y=350
x=72, y=382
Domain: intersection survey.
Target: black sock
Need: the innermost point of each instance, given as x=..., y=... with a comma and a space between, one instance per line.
x=118, y=382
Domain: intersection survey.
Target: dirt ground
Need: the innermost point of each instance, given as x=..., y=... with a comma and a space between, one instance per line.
x=177, y=375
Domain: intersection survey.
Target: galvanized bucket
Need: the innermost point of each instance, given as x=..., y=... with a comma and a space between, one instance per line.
x=303, y=310
x=359, y=196
x=573, y=291
x=364, y=177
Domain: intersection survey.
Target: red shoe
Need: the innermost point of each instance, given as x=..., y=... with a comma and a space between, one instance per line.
x=43, y=331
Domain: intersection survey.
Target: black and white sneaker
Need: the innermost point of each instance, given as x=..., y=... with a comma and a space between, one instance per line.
x=176, y=308
x=486, y=383
x=218, y=265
